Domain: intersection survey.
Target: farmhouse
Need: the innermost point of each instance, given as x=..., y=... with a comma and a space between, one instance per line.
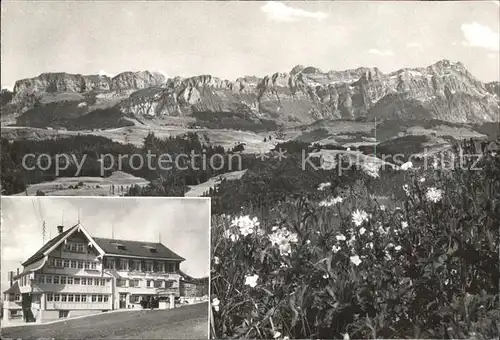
x=76, y=274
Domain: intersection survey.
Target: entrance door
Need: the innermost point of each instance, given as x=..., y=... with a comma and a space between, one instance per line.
x=123, y=300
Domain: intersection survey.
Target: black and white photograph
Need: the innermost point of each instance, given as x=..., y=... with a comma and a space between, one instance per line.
x=348, y=152
x=104, y=267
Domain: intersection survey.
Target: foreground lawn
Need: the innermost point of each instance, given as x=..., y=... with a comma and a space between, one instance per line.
x=189, y=322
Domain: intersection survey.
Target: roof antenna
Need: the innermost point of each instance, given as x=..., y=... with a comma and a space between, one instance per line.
x=159, y=237
x=78, y=215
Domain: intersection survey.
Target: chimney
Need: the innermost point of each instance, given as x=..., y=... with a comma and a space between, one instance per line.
x=11, y=277
x=17, y=271
x=60, y=228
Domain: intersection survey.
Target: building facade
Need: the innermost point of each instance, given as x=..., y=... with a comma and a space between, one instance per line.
x=77, y=274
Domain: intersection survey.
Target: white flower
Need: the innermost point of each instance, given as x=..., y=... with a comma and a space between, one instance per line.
x=390, y=245
x=406, y=166
x=340, y=237
x=276, y=335
x=245, y=224
x=331, y=201
x=397, y=248
x=323, y=186
x=406, y=189
x=382, y=207
x=251, y=280
x=286, y=338
x=404, y=224
x=346, y=336
x=216, y=260
x=388, y=256
x=283, y=239
x=371, y=169
x=434, y=194
x=274, y=228
x=308, y=242
x=232, y=236
x=215, y=304
x=326, y=276
x=355, y=259
x=446, y=282
x=362, y=230
x=369, y=245
x=422, y=179
x=358, y=217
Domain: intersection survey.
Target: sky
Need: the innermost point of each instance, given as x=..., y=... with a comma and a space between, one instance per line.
x=234, y=39
x=183, y=225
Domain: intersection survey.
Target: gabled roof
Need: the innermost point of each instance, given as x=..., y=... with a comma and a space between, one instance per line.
x=40, y=253
x=136, y=249
x=14, y=289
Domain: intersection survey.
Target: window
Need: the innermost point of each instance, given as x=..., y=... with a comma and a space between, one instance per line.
x=153, y=250
x=63, y=314
x=64, y=297
x=161, y=267
x=149, y=283
x=48, y=279
x=94, y=298
x=105, y=298
x=158, y=284
x=136, y=265
x=80, y=248
x=169, y=283
x=121, y=283
x=87, y=265
x=56, y=280
x=59, y=263
x=41, y=279
x=57, y=297
x=70, y=280
x=73, y=264
x=17, y=297
x=11, y=297
x=133, y=283
x=63, y=280
x=67, y=247
x=93, y=265
x=84, y=298
x=50, y=297
x=99, y=298
x=80, y=264
x=70, y=297
x=52, y=262
x=66, y=263
x=96, y=282
x=77, y=297
x=83, y=281
x=123, y=264
x=111, y=264
x=149, y=266
x=103, y=282
x=121, y=247
x=76, y=281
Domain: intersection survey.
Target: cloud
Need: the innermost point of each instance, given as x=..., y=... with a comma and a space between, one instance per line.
x=477, y=35
x=104, y=73
x=277, y=11
x=415, y=45
x=384, y=53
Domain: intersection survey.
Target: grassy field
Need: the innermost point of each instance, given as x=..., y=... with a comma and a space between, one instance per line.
x=189, y=322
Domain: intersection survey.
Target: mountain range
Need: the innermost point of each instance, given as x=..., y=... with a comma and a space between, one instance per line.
x=444, y=91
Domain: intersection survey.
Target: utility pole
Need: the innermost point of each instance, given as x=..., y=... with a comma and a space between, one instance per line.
x=44, y=230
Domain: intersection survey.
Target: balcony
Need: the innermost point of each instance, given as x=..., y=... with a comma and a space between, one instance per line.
x=12, y=305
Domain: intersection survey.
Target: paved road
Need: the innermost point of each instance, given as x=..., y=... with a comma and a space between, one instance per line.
x=187, y=322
